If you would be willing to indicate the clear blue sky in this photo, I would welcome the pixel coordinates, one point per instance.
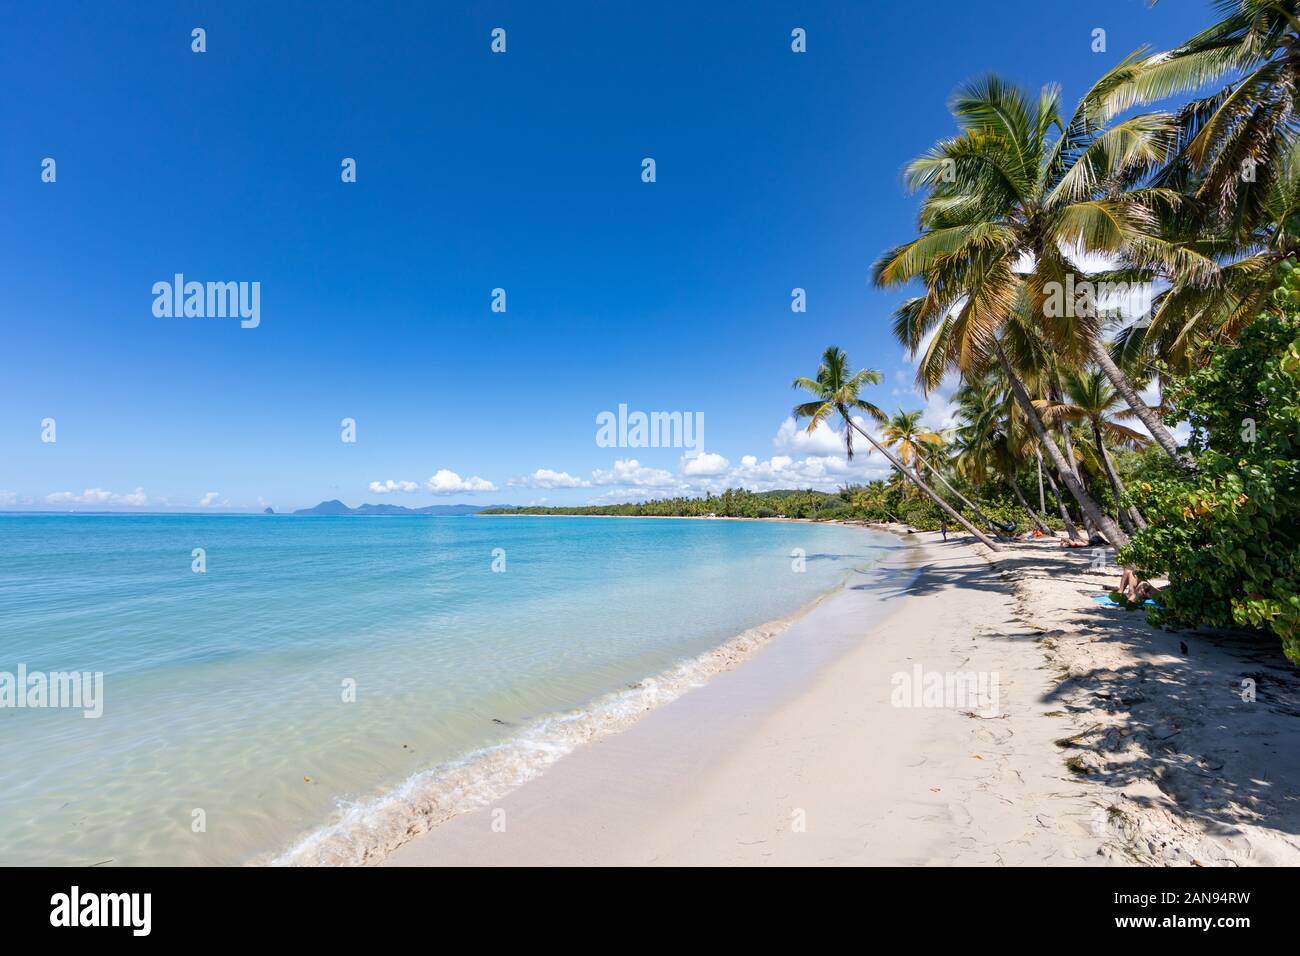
(475, 171)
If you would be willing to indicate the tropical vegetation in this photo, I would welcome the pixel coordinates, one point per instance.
(1108, 293)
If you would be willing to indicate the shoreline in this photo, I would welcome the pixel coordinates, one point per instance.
(862, 524)
(369, 830)
(805, 757)
(726, 775)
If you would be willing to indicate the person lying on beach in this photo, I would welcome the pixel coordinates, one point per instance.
(1134, 588)
(1094, 541)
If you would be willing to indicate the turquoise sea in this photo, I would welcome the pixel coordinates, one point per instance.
(328, 684)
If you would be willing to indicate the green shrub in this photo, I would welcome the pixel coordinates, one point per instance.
(1229, 537)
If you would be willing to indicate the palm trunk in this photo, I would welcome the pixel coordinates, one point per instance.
(962, 498)
(1042, 498)
(1116, 485)
(902, 469)
(1034, 516)
(1067, 442)
(1164, 438)
(1070, 528)
(1087, 505)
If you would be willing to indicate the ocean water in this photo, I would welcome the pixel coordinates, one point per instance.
(328, 685)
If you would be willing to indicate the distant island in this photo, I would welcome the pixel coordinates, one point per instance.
(336, 507)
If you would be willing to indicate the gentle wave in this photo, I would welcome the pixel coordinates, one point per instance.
(368, 830)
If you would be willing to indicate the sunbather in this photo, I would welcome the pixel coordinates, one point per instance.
(1134, 588)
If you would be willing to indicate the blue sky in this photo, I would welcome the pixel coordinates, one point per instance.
(475, 171)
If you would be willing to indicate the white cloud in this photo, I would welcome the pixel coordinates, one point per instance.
(794, 436)
(446, 482)
(826, 439)
(8, 497)
(386, 487)
(618, 496)
(208, 500)
(546, 478)
(137, 498)
(822, 472)
(705, 464)
(829, 443)
(631, 473)
(630, 480)
(99, 496)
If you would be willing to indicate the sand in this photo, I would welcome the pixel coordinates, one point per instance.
(1102, 743)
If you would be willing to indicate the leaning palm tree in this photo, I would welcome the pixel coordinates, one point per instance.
(916, 446)
(905, 434)
(1013, 202)
(837, 393)
(991, 440)
(1023, 195)
(1090, 400)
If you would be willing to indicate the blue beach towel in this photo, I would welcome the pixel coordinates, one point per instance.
(1109, 601)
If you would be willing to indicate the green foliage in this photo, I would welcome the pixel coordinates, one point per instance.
(878, 501)
(1229, 536)
(732, 503)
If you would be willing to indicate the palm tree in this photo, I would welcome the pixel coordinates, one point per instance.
(1235, 160)
(1249, 124)
(1015, 198)
(991, 439)
(1012, 201)
(837, 393)
(1190, 312)
(905, 433)
(1091, 400)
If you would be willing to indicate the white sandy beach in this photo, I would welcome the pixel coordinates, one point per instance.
(799, 757)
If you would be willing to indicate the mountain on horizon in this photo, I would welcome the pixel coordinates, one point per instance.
(336, 507)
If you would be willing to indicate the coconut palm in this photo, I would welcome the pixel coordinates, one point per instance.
(1236, 161)
(1189, 314)
(1090, 400)
(1232, 139)
(991, 439)
(905, 434)
(1014, 200)
(916, 446)
(837, 390)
